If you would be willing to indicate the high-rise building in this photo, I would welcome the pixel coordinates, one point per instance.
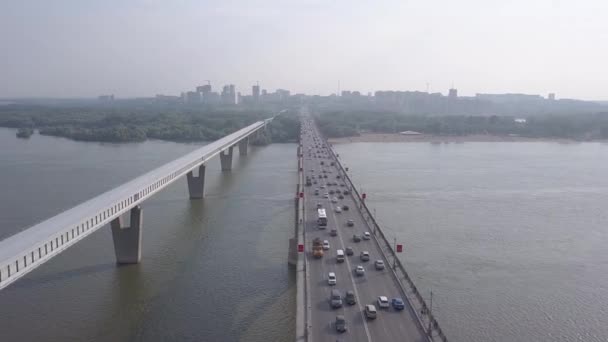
(453, 93)
(229, 94)
(256, 92)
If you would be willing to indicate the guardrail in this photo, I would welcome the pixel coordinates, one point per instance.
(302, 280)
(421, 310)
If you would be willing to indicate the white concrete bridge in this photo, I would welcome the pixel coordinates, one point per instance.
(24, 251)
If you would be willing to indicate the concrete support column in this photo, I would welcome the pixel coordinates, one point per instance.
(127, 240)
(226, 159)
(196, 184)
(243, 145)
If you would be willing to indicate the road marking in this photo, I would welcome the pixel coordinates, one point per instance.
(350, 274)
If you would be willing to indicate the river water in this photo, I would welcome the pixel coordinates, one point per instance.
(510, 236)
(212, 270)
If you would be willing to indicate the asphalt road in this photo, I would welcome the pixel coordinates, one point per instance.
(390, 325)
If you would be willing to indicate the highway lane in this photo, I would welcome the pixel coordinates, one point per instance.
(391, 325)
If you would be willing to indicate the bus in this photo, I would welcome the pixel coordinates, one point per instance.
(322, 219)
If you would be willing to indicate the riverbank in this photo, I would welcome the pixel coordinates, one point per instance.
(394, 137)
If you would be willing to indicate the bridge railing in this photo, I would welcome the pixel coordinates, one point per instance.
(427, 321)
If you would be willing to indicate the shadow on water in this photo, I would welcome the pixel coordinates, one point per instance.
(34, 281)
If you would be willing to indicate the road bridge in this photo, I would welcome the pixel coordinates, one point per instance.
(32, 247)
(332, 189)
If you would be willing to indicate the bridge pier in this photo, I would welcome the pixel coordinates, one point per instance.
(196, 184)
(226, 159)
(243, 145)
(127, 240)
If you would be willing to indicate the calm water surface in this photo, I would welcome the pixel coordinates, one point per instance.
(511, 237)
(212, 270)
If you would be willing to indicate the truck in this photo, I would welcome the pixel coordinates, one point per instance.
(317, 248)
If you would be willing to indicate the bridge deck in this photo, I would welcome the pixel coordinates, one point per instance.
(391, 325)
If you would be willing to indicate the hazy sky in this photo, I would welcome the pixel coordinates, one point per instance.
(76, 48)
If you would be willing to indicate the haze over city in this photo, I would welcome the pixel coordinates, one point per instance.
(140, 48)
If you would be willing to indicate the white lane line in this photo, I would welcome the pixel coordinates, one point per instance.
(350, 274)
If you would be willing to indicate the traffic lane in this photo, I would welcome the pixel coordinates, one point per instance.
(323, 314)
(386, 328)
(390, 324)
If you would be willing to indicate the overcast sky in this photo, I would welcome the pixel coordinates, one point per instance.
(83, 48)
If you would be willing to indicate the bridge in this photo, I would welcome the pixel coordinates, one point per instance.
(32, 247)
(315, 316)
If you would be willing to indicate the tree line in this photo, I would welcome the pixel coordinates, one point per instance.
(584, 126)
(128, 124)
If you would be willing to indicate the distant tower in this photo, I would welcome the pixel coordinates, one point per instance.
(453, 93)
(551, 97)
(256, 92)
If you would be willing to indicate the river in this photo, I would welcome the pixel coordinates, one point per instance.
(212, 269)
(510, 236)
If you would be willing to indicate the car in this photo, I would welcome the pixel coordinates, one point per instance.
(331, 192)
(317, 192)
(320, 176)
(345, 192)
(324, 176)
(338, 191)
(379, 264)
(333, 232)
(383, 302)
(360, 271)
(366, 236)
(345, 207)
(398, 303)
(350, 223)
(325, 244)
(322, 186)
(335, 298)
(326, 195)
(341, 197)
(315, 181)
(331, 278)
(334, 200)
(370, 311)
(350, 298)
(338, 209)
(356, 238)
(364, 255)
(319, 205)
(338, 176)
(340, 323)
(349, 251)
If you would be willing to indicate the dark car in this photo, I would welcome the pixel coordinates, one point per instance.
(350, 223)
(350, 298)
(346, 192)
(349, 251)
(345, 207)
(356, 238)
(340, 197)
(340, 323)
(397, 303)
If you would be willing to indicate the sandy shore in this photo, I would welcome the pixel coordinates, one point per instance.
(391, 137)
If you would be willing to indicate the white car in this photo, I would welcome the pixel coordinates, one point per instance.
(366, 236)
(334, 200)
(383, 302)
(325, 244)
(338, 209)
(331, 279)
(360, 271)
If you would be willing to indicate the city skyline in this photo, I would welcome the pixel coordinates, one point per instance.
(74, 49)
